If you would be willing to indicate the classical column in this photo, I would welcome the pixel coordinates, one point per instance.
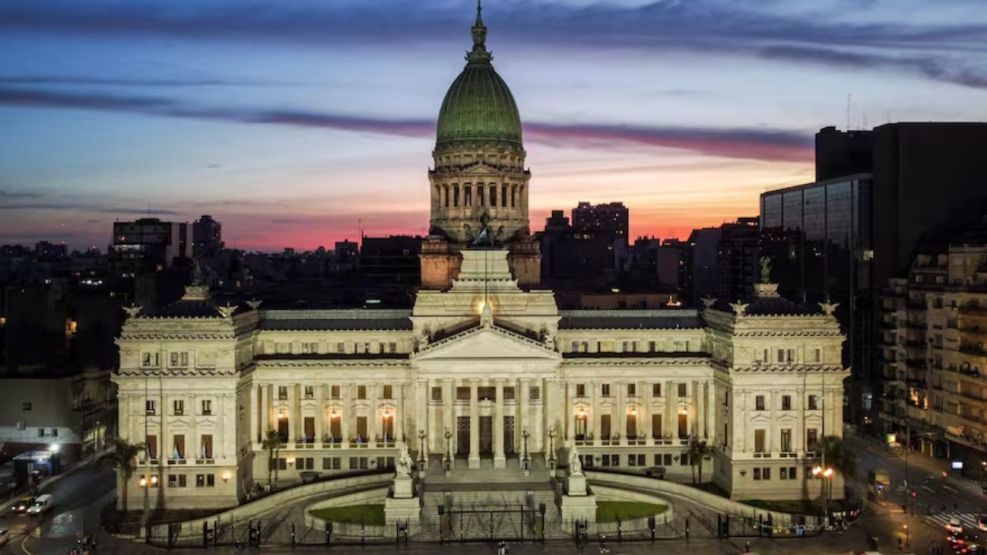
(320, 412)
(254, 411)
(421, 406)
(595, 413)
(498, 428)
(643, 412)
(399, 433)
(711, 412)
(622, 412)
(374, 417)
(671, 424)
(448, 417)
(349, 411)
(265, 411)
(474, 458)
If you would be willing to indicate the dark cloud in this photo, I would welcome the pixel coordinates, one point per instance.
(57, 205)
(7, 195)
(755, 143)
(134, 82)
(726, 27)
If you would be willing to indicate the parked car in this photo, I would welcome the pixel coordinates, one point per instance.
(41, 505)
(4, 536)
(22, 504)
(982, 522)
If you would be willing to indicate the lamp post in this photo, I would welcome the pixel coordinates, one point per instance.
(448, 461)
(421, 447)
(824, 473)
(524, 447)
(551, 444)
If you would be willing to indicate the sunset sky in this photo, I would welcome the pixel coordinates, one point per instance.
(295, 122)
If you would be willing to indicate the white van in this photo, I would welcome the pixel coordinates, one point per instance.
(41, 505)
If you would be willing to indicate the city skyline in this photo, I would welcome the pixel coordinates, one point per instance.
(292, 123)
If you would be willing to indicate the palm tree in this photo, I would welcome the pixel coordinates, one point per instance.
(698, 450)
(272, 443)
(121, 458)
(840, 457)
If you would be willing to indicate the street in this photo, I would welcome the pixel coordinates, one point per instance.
(80, 496)
(78, 500)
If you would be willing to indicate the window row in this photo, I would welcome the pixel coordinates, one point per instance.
(177, 449)
(180, 480)
(339, 347)
(178, 407)
(386, 392)
(635, 459)
(788, 356)
(177, 359)
(784, 473)
(631, 390)
(684, 346)
(334, 463)
(812, 402)
(785, 443)
(486, 393)
(631, 431)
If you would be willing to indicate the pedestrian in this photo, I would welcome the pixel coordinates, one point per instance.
(747, 546)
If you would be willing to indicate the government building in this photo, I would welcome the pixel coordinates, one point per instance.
(485, 371)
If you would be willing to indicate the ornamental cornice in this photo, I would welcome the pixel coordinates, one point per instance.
(620, 362)
(152, 336)
(790, 369)
(177, 372)
(788, 332)
(341, 364)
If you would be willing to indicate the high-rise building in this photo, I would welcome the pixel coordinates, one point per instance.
(391, 260)
(207, 237)
(934, 354)
(843, 153)
(147, 245)
(737, 258)
(609, 221)
(701, 277)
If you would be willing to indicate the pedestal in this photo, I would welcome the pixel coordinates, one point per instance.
(401, 510)
(576, 485)
(500, 462)
(578, 508)
(474, 463)
(404, 487)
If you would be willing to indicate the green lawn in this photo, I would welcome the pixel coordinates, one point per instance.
(371, 515)
(610, 511)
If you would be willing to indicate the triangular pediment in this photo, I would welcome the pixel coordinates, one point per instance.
(480, 168)
(487, 343)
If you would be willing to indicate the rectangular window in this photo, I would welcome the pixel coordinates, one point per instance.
(812, 439)
(656, 426)
(486, 393)
(786, 402)
(282, 393)
(308, 428)
(178, 447)
(387, 392)
(150, 406)
(26, 406)
(786, 440)
(757, 473)
(534, 393)
(656, 390)
(309, 392)
(509, 393)
(813, 402)
(580, 390)
(684, 459)
(340, 347)
(361, 428)
(766, 473)
(334, 391)
(205, 447)
(682, 390)
(151, 446)
(282, 463)
(605, 426)
(361, 392)
(759, 402)
(177, 481)
(179, 407)
(759, 444)
(605, 390)
(463, 394)
(331, 463)
(206, 407)
(631, 390)
(437, 394)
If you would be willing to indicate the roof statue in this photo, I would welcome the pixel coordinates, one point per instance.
(765, 269)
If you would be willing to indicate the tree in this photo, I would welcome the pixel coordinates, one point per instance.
(121, 458)
(698, 450)
(840, 457)
(272, 443)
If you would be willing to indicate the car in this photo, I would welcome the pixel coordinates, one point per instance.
(22, 504)
(982, 522)
(955, 525)
(4, 536)
(41, 505)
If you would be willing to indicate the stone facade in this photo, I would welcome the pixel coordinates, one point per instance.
(483, 370)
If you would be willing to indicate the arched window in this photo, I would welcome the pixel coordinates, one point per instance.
(455, 196)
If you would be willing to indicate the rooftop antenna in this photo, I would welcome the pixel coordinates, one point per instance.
(849, 101)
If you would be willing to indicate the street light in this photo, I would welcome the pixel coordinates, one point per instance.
(524, 444)
(448, 460)
(824, 473)
(421, 447)
(551, 443)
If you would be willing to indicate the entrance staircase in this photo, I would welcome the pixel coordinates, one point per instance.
(489, 503)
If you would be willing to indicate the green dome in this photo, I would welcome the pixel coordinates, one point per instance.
(479, 107)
